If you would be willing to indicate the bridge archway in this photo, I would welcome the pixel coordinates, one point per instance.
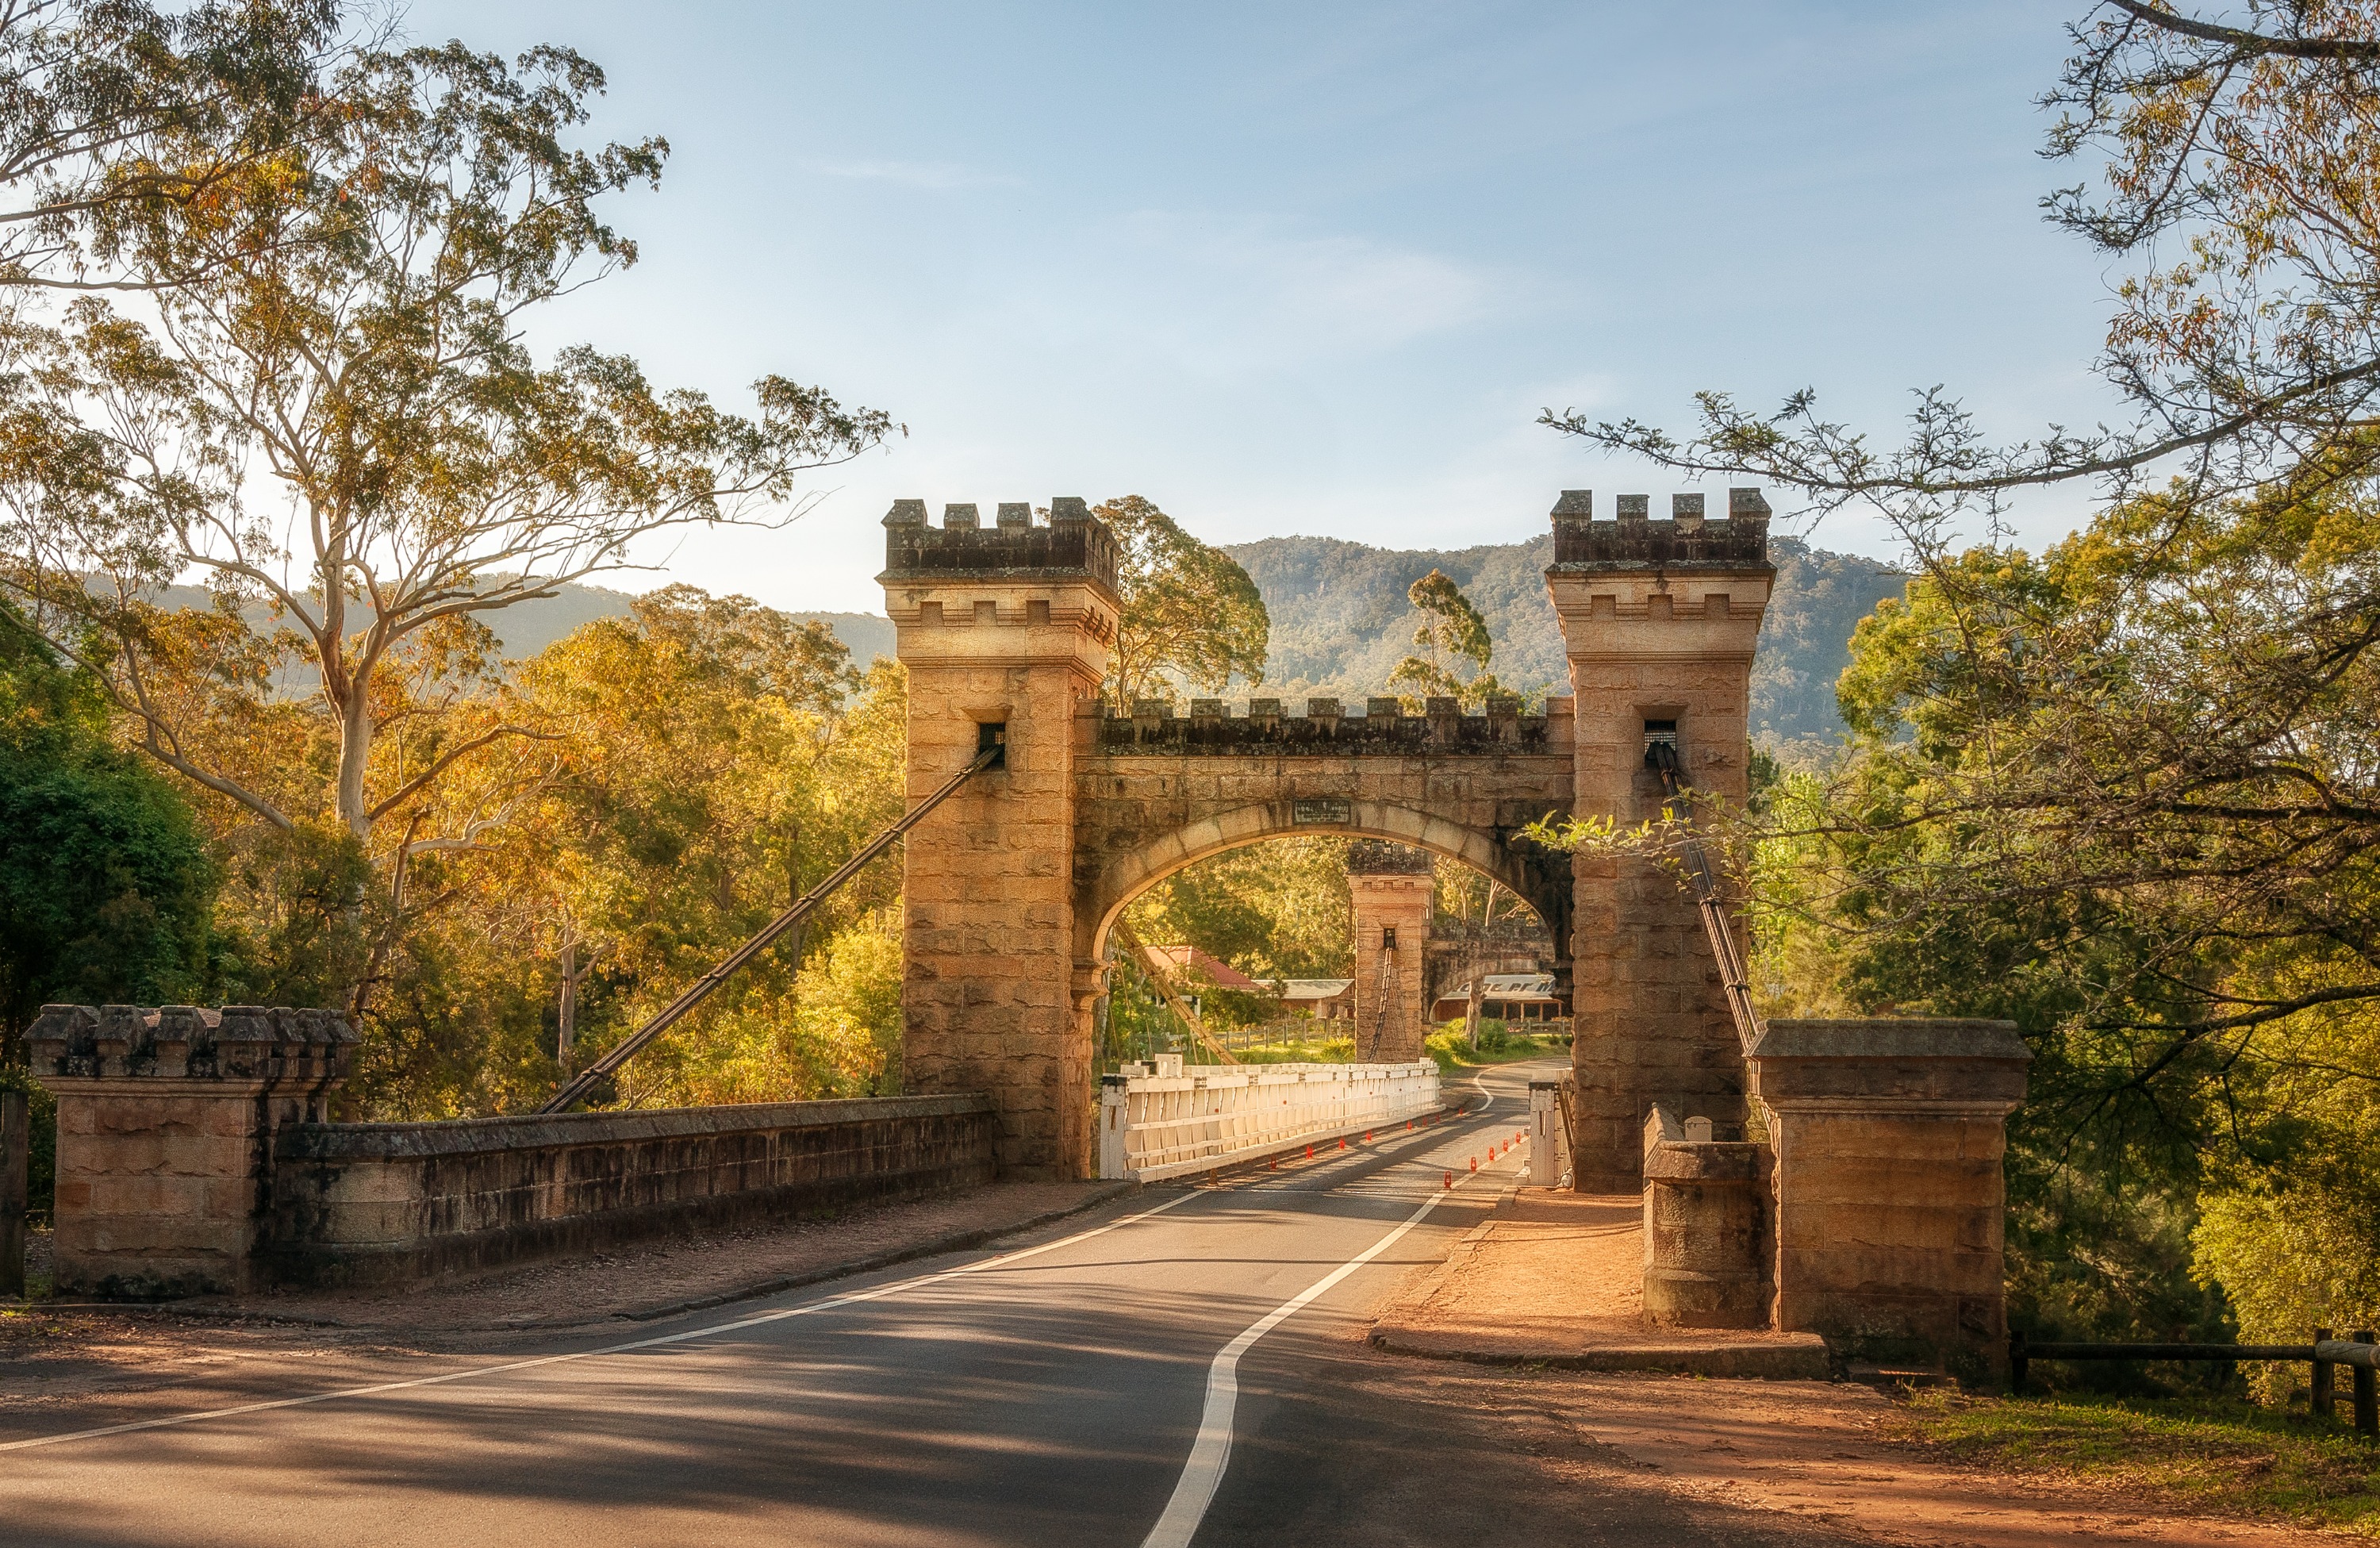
(1012, 885)
(1142, 868)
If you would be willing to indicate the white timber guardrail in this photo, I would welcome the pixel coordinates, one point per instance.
(1165, 1122)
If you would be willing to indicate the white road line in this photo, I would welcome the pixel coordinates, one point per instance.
(878, 1293)
(1211, 1452)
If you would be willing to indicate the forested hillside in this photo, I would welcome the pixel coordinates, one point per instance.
(528, 628)
(1340, 621)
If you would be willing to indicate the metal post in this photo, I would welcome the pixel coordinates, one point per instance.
(2318, 1402)
(15, 1146)
(1544, 1120)
(2367, 1397)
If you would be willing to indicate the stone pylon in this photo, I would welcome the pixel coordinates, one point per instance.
(1391, 885)
(1006, 633)
(1659, 620)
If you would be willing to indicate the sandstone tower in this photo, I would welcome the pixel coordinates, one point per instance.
(1659, 619)
(1006, 633)
(1393, 887)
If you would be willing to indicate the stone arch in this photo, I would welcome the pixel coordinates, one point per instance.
(1145, 865)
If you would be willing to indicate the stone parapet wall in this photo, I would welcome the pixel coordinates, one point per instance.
(1706, 1226)
(382, 1203)
(1214, 728)
(194, 1157)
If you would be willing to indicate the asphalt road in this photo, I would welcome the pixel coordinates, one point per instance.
(1049, 1391)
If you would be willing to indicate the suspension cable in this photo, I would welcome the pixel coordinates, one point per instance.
(1663, 756)
(701, 989)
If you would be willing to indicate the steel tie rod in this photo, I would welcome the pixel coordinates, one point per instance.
(701, 989)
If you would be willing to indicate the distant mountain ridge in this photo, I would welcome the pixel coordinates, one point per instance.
(1340, 621)
(528, 628)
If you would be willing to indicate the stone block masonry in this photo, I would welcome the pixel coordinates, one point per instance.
(193, 1158)
(166, 1120)
(1888, 1138)
(1005, 632)
(1392, 888)
(1658, 621)
(388, 1204)
(1704, 1236)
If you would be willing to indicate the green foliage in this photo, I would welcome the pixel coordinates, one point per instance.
(1190, 612)
(1450, 1048)
(298, 915)
(1451, 632)
(1274, 911)
(104, 883)
(2122, 794)
(1324, 1051)
(1341, 615)
(338, 331)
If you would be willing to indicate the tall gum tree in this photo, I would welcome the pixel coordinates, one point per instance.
(331, 410)
(1190, 612)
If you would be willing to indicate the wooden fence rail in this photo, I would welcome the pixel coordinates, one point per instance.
(2359, 1354)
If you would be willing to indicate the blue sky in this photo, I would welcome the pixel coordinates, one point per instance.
(1316, 267)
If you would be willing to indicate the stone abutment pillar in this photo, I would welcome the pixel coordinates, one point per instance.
(1659, 620)
(166, 1120)
(1705, 1226)
(1889, 1137)
(1005, 631)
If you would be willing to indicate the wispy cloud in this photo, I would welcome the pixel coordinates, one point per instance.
(935, 174)
(1227, 292)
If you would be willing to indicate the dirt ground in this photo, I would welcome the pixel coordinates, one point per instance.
(1557, 1278)
(1811, 1454)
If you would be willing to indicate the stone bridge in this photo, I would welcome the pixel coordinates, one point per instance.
(1012, 887)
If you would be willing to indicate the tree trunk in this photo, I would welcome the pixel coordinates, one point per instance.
(567, 1012)
(1471, 1003)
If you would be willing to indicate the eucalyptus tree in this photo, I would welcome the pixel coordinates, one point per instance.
(112, 107)
(1190, 612)
(1450, 632)
(332, 410)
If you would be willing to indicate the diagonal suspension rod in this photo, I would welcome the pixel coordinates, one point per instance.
(1663, 756)
(701, 990)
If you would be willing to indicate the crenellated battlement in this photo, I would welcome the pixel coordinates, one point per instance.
(1216, 728)
(166, 1120)
(1686, 540)
(176, 1042)
(1072, 544)
(1374, 857)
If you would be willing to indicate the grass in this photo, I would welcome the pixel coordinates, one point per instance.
(1454, 1051)
(2205, 1455)
(1331, 1051)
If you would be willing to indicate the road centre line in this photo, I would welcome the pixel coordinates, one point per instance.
(856, 1296)
(1211, 1452)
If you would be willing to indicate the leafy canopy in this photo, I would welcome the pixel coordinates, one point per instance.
(1451, 632)
(1190, 612)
